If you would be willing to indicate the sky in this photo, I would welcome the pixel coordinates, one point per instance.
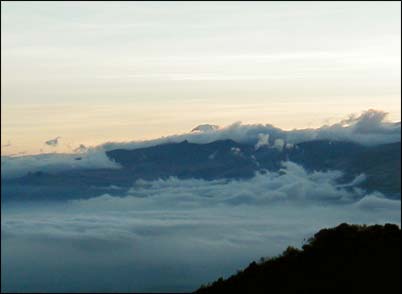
(118, 71)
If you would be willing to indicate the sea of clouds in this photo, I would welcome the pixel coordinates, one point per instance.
(174, 234)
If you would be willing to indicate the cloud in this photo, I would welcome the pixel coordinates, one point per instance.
(54, 162)
(376, 201)
(160, 231)
(289, 145)
(279, 144)
(236, 151)
(291, 184)
(53, 142)
(356, 181)
(205, 128)
(80, 149)
(369, 122)
(262, 141)
(368, 128)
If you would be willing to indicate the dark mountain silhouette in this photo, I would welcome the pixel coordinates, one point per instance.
(345, 259)
(216, 160)
(209, 161)
(219, 159)
(381, 164)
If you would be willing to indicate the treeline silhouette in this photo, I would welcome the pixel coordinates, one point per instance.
(344, 259)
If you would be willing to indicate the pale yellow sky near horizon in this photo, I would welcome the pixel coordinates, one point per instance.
(121, 71)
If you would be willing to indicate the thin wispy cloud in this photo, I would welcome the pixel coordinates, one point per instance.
(53, 142)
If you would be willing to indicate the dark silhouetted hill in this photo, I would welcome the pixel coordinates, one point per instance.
(345, 259)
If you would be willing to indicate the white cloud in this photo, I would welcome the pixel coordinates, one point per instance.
(289, 145)
(368, 128)
(279, 144)
(262, 141)
(376, 201)
(236, 151)
(292, 184)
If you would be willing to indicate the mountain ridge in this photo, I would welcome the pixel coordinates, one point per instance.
(217, 160)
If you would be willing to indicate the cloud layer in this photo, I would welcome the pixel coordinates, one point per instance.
(173, 235)
(54, 162)
(291, 184)
(368, 128)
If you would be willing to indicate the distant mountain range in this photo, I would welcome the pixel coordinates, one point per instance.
(216, 160)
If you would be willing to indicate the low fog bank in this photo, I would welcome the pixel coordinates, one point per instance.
(174, 235)
(54, 162)
(81, 249)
